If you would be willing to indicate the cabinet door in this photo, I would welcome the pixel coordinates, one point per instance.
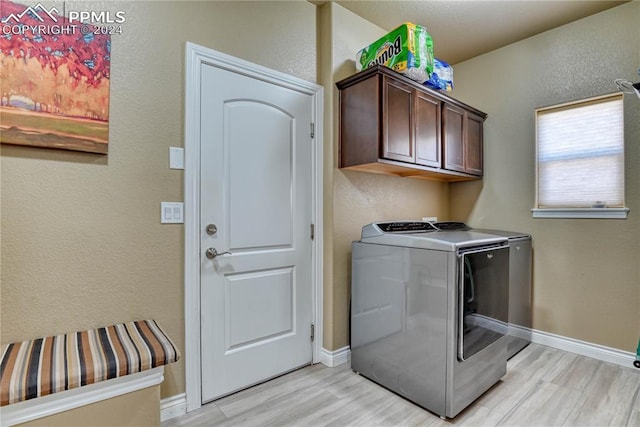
(453, 137)
(359, 123)
(473, 144)
(427, 130)
(397, 110)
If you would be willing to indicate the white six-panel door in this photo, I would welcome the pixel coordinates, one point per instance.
(255, 185)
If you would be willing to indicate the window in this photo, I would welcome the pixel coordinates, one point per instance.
(580, 159)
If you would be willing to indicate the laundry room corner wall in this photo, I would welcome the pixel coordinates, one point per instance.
(82, 245)
(586, 271)
(358, 198)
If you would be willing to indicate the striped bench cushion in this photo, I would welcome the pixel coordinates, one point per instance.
(49, 365)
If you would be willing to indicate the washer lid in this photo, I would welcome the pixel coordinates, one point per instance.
(505, 233)
(416, 234)
(454, 225)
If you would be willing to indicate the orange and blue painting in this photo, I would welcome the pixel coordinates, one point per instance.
(54, 80)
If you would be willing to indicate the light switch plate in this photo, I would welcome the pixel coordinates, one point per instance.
(171, 212)
(176, 158)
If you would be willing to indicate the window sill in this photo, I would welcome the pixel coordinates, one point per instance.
(601, 213)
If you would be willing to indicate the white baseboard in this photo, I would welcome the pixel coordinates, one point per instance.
(174, 406)
(583, 348)
(32, 409)
(519, 332)
(335, 358)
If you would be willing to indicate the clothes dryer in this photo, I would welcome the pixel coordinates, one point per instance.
(520, 278)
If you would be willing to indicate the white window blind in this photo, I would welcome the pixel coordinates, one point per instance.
(580, 149)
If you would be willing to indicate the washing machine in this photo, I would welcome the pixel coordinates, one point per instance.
(429, 309)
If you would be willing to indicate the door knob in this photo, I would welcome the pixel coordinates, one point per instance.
(211, 253)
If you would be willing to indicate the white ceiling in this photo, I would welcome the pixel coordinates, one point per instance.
(464, 29)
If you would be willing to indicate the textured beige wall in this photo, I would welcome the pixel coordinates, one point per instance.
(586, 272)
(360, 198)
(82, 244)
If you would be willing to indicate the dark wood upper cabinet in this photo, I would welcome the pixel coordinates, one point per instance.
(453, 138)
(397, 121)
(392, 125)
(473, 146)
(360, 123)
(462, 140)
(428, 130)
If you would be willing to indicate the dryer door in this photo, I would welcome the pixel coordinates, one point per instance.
(483, 298)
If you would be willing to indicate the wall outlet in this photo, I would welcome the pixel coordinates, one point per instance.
(430, 218)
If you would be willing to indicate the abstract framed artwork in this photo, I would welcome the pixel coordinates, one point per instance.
(54, 80)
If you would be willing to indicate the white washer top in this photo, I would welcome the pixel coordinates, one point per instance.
(423, 235)
(461, 226)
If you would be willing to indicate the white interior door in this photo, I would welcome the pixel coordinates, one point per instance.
(255, 174)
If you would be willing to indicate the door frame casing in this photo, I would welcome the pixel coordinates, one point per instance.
(195, 57)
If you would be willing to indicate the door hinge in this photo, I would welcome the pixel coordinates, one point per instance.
(313, 332)
(313, 231)
(313, 130)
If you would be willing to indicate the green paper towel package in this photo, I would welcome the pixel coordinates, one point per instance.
(408, 50)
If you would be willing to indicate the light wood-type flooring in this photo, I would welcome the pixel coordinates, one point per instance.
(543, 387)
